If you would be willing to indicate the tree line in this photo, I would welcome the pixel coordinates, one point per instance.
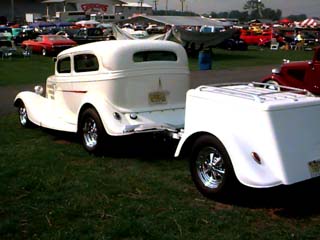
(252, 9)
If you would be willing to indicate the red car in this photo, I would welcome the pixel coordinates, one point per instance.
(298, 74)
(48, 44)
(260, 39)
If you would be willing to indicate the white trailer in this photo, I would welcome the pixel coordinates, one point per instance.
(262, 137)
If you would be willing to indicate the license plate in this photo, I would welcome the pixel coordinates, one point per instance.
(314, 168)
(158, 97)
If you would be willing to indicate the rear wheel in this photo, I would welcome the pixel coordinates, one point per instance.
(211, 168)
(43, 52)
(92, 131)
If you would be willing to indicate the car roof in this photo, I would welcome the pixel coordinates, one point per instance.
(117, 54)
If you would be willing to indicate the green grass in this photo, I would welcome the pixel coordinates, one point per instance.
(224, 59)
(34, 70)
(19, 70)
(50, 188)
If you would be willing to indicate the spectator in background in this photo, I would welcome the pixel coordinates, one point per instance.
(299, 41)
(298, 37)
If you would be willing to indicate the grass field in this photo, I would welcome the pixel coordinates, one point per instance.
(34, 70)
(50, 188)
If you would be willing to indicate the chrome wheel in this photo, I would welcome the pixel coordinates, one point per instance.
(90, 133)
(210, 167)
(23, 116)
(272, 85)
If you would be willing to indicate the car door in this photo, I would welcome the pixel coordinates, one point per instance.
(59, 86)
(36, 46)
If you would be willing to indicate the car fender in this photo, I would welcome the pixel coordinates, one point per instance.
(246, 169)
(274, 77)
(106, 111)
(35, 105)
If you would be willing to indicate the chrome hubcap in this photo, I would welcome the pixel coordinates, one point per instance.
(272, 85)
(210, 167)
(90, 133)
(23, 116)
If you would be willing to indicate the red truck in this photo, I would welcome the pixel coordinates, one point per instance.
(298, 74)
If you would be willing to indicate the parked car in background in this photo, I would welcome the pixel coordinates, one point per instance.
(261, 39)
(112, 88)
(5, 33)
(234, 43)
(25, 34)
(299, 74)
(211, 29)
(310, 37)
(87, 35)
(48, 44)
(69, 32)
(7, 48)
(154, 28)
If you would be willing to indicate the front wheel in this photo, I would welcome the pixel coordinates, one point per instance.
(92, 131)
(272, 84)
(211, 168)
(23, 116)
(27, 51)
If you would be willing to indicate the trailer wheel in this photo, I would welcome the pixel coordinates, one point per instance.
(92, 131)
(211, 168)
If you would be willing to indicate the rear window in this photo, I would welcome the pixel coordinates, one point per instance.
(150, 56)
(86, 63)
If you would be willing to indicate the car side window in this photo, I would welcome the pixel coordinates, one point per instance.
(82, 33)
(39, 39)
(64, 65)
(86, 63)
(147, 56)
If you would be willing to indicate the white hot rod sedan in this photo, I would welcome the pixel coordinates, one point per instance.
(111, 88)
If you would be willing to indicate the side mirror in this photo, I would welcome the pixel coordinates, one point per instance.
(54, 59)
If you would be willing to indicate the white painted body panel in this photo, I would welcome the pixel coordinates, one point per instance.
(283, 128)
(119, 85)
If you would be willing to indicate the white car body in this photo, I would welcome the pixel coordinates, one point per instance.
(282, 128)
(130, 94)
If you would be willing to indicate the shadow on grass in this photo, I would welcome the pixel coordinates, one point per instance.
(298, 200)
(145, 146)
(151, 146)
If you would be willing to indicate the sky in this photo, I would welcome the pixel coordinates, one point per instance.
(288, 7)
